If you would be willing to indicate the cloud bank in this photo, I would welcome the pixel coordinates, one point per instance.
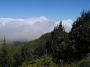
(28, 28)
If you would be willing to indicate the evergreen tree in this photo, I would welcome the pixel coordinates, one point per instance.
(5, 56)
(80, 34)
(57, 43)
(22, 55)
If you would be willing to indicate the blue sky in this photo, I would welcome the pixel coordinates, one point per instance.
(53, 9)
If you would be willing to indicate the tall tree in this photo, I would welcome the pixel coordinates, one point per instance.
(5, 56)
(23, 54)
(57, 43)
(80, 34)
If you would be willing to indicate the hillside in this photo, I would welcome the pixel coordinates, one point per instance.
(57, 48)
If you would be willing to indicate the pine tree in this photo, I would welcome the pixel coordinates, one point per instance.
(4, 57)
(80, 34)
(56, 43)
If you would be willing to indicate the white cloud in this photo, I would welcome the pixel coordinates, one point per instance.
(28, 28)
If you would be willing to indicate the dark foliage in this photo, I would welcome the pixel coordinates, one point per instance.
(80, 34)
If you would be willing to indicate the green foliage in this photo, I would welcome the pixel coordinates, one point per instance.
(57, 43)
(6, 56)
(23, 54)
(80, 34)
(42, 62)
(85, 62)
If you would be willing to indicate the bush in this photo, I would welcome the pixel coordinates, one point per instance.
(85, 62)
(42, 62)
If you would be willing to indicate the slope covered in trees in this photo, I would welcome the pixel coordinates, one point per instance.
(54, 49)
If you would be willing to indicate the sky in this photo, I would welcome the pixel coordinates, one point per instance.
(29, 19)
(53, 9)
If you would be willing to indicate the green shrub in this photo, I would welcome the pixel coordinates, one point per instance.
(85, 62)
(42, 62)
